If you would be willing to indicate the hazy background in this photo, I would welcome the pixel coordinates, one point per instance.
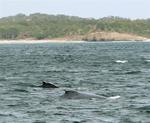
(84, 8)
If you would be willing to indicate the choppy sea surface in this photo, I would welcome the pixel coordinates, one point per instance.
(105, 68)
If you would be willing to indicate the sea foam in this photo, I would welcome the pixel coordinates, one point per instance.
(121, 61)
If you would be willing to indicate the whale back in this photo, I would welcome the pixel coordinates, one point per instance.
(71, 94)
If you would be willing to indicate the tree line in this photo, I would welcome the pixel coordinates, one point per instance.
(40, 26)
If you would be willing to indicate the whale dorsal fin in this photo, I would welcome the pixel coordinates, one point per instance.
(48, 85)
(43, 82)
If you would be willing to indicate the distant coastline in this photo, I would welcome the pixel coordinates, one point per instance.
(60, 28)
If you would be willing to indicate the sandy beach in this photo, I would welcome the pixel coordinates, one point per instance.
(36, 41)
(56, 41)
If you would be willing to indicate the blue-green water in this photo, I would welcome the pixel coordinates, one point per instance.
(102, 68)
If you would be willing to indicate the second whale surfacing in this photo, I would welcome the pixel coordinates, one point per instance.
(71, 94)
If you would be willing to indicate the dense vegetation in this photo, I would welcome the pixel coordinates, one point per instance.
(41, 26)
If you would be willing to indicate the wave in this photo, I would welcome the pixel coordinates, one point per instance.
(20, 90)
(114, 97)
(148, 60)
(145, 109)
(25, 84)
(121, 61)
(133, 72)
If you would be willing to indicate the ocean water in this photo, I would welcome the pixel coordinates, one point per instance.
(106, 68)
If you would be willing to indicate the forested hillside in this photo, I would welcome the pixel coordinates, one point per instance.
(41, 26)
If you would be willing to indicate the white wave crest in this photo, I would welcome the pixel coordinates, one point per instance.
(121, 61)
(148, 60)
(114, 97)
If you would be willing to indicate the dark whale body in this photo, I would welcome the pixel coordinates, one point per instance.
(48, 85)
(71, 94)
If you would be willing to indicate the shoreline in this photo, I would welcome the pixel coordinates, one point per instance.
(99, 36)
(36, 41)
(62, 41)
